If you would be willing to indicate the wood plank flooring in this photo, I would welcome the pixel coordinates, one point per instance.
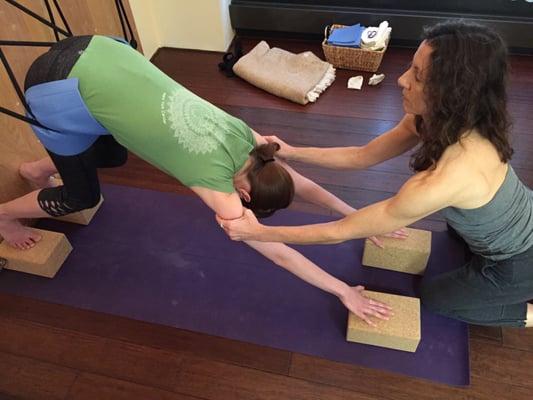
(49, 351)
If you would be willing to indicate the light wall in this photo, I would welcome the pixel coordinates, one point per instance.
(188, 24)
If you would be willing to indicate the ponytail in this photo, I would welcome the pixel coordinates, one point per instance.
(272, 187)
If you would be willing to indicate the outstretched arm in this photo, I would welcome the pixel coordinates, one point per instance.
(309, 190)
(390, 144)
(316, 194)
(228, 206)
(296, 263)
(312, 192)
(422, 195)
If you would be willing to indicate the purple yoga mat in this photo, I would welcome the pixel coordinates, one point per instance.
(161, 258)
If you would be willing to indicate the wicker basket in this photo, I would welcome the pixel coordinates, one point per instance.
(351, 57)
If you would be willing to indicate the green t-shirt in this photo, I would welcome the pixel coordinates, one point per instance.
(158, 119)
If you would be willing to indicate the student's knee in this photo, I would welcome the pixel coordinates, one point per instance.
(120, 158)
(56, 202)
(115, 157)
(109, 153)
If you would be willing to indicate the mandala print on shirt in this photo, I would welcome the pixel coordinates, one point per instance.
(194, 122)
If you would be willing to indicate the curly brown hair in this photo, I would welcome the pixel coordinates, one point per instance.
(465, 90)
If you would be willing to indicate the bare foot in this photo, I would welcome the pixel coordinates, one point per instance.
(30, 173)
(17, 235)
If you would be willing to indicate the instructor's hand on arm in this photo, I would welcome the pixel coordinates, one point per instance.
(245, 228)
(249, 228)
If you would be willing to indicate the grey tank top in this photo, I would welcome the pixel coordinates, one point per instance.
(501, 228)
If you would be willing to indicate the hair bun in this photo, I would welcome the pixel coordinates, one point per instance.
(270, 150)
(265, 152)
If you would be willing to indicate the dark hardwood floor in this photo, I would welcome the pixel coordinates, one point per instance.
(49, 351)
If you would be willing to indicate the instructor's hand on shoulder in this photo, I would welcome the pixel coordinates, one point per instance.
(246, 227)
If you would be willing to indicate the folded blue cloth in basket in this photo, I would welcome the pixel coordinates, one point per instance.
(349, 36)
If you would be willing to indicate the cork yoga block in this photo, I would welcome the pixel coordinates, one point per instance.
(83, 217)
(400, 332)
(404, 255)
(44, 259)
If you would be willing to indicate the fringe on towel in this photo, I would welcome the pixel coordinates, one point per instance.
(324, 83)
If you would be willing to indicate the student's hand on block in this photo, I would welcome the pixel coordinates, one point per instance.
(285, 149)
(399, 234)
(245, 228)
(363, 307)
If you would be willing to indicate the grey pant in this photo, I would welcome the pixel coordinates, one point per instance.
(483, 292)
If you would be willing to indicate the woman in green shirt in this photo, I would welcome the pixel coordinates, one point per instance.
(130, 104)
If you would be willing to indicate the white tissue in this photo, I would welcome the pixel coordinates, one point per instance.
(376, 79)
(355, 82)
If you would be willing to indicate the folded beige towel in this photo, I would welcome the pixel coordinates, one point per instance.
(296, 77)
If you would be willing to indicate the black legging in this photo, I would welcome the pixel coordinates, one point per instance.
(81, 188)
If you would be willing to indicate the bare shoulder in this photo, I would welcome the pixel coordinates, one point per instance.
(463, 177)
(471, 171)
(423, 194)
(429, 182)
(441, 185)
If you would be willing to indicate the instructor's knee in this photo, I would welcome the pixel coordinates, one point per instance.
(430, 298)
